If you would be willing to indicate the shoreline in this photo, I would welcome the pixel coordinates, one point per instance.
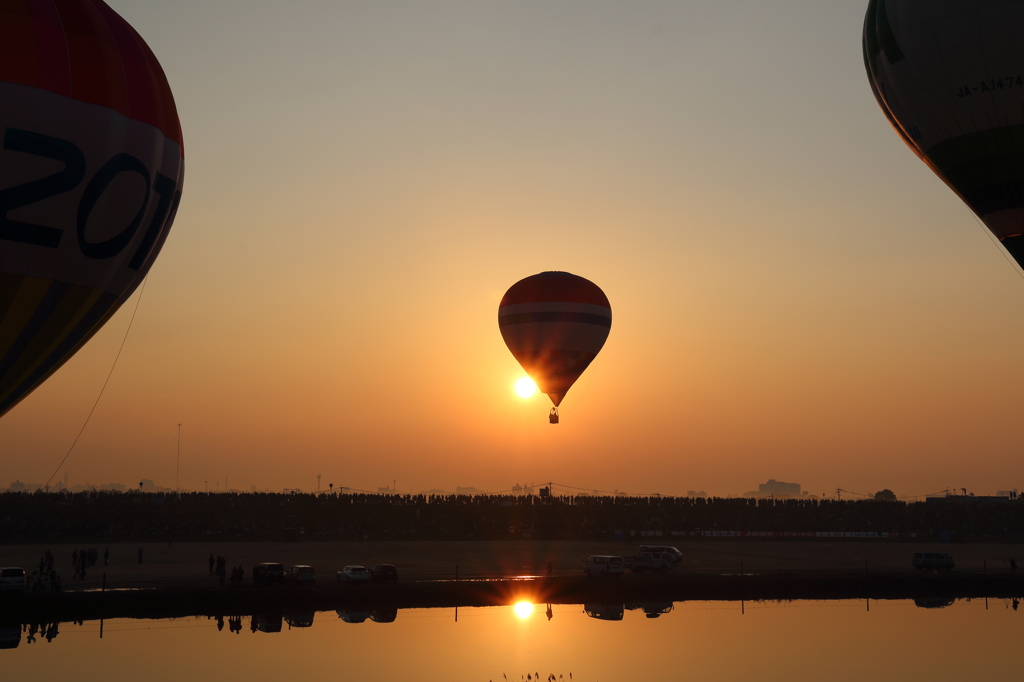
(164, 602)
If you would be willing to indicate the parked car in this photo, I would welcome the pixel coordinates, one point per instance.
(932, 561)
(649, 561)
(300, 575)
(599, 564)
(353, 574)
(13, 579)
(674, 554)
(268, 573)
(384, 573)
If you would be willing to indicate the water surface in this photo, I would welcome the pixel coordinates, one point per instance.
(835, 640)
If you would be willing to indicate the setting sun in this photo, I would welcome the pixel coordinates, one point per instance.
(523, 609)
(525, 388)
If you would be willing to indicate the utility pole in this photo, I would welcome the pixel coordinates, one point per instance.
(318, 482)
(177, 468)
(839, 493)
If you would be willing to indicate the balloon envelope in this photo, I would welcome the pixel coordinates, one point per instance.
(91, 169)
(949, 75)
(554, 323)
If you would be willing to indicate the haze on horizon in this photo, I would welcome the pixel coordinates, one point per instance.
(796, 296)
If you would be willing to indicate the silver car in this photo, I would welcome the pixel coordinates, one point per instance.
(351, 574)
(13, 579)
(300, 575)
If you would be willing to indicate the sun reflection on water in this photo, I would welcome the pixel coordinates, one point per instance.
(523, 609)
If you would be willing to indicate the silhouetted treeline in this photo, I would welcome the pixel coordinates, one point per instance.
(133, 516)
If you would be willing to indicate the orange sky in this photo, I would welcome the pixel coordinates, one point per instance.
(795, 295)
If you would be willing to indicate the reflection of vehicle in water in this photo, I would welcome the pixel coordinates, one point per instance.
(268, 623)
(604, 611)
(933, 561)
(934, 603)
(599, 564)
(299, 620)
(384, 615)
(651, 609)
(10, 637)
(354, 616)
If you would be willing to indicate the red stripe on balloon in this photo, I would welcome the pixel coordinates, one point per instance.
(54, 68)
(554, 287)
(142, 91)
(84, 50)
(97, 76)
(17, 44)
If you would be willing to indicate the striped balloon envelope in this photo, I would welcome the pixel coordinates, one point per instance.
(555, 324)
(91, 171)
(949, 76)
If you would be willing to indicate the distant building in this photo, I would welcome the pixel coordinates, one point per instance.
(436, 491)
(696, 493)
(777, 489)
(119, 487)
(459, 490)
(148, 486)
(386, 490)
(522, 489)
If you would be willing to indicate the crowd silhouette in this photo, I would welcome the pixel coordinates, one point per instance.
(133, 517)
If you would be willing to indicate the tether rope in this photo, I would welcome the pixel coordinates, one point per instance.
(142, 290)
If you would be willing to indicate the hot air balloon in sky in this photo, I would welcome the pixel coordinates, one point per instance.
(91, 170)
(949, 75)
(555, 324)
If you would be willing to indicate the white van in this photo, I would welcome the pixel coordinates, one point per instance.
(599, 564)
(13, 579)
(672, 552)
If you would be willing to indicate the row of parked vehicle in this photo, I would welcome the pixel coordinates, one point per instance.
(661, 559)
(274, 574)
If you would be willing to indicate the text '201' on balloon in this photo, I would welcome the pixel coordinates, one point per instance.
(949, 76)
(91, 171)
(554, 323)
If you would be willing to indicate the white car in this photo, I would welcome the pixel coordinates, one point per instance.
(13, 579)
(599, 564)
(300, 575)
(353, 573)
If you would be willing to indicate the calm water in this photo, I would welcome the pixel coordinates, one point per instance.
(838, 640)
